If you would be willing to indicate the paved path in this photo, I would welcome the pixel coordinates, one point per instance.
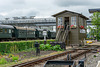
(96, 43)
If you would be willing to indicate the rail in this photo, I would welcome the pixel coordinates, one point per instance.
(34, 62)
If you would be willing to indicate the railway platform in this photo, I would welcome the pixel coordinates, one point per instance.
(95, 44)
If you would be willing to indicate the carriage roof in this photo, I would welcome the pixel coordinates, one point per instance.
(6, 26)
(22, 28)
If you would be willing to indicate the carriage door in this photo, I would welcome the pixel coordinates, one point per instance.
(13, 33)
(66, 22)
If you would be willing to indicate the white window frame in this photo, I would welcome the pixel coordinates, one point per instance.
(73, 20)
(60, 20)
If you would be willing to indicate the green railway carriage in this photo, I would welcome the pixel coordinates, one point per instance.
(53, 34)
(39, 33)
(48, 34)
(9, 32)
(6, 31)
(23, 33)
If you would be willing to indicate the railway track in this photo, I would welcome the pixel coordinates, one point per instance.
(76, 53)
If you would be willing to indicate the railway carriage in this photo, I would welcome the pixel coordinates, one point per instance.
(52, 34)
(39, 33)
(6, 31)
(22, 33)
(14, 32)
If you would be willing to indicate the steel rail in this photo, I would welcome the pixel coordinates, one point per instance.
(37, 61)
(30, 63)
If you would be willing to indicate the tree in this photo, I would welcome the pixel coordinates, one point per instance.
(92, 32)
(96, 22)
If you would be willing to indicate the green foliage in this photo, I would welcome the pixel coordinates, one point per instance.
(57, 48)
(96, 23)
(95, 56)
(45, 47)
(15, 58)
(11, 55)
(92, 32)
(42, 47)
(3, 61)
(16, 46)
(24, 55)
(49, 47)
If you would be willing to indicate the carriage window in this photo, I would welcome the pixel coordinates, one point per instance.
(5, 30)
(40, 32)
(1, 30)
(34, 32)
(9, 30)
(20, 32)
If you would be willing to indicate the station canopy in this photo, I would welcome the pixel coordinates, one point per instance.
(94, 10)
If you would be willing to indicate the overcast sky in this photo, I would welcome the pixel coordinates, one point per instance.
(44, 8)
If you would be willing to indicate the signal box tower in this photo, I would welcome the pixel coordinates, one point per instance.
(70, 27)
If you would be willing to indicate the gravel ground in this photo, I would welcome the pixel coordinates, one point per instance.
(93, 61)
(59, 58)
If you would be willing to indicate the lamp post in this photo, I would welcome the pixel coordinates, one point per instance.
(44, 34)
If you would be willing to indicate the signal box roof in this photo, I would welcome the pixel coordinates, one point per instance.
(70, 12)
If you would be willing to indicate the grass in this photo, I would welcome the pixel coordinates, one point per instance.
(29, 59)
(25, 41)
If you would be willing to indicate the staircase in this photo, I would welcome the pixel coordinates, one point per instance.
(66, 33)
(63, 35)
(58, 34)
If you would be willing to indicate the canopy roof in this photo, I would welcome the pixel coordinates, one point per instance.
(94, 10)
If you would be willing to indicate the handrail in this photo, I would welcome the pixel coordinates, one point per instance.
(58, 32)
(66, 33)
(78, 65)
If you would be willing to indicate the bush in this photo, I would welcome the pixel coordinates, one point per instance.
(11, 55)
(49, 47)
(57, 48)
(45, 47)
(9, 47)
(3, 61)
(15, 58)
